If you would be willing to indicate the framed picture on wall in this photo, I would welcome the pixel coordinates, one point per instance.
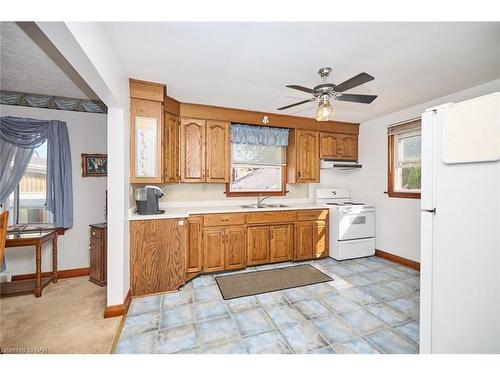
(94, 165)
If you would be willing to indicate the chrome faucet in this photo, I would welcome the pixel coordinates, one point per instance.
(261, 199)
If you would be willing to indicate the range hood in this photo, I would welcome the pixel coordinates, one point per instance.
(339, 164)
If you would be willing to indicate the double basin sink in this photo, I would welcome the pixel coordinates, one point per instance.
(263, 205)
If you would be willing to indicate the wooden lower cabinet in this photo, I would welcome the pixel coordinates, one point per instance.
(157, 255)
(213, 249)
(223, 248)
(194, 248)
(281, 243)
(320, 240)
(98, 254)
(258, 245)
(235, 248)
(311, 240)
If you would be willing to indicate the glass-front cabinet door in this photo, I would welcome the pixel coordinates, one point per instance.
(146, 141)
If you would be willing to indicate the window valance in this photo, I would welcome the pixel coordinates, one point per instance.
(259, 135)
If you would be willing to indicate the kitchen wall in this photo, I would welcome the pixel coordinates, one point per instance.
(189, 194)
(87, 134)
(398, 219)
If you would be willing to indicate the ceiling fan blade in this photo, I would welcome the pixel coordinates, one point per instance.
(299, 103)
(301, 88)
(355, 98)
(353, 82)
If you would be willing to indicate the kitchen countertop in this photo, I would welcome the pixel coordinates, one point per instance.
(183, 212)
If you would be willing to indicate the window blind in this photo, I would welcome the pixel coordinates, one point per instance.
(410, 126)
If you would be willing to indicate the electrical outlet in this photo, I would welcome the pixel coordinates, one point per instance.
(204, 187)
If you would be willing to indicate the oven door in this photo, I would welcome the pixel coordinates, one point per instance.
(354, 225)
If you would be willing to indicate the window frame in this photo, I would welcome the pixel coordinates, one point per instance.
(278, 193)
(391, 171)
(14, 218)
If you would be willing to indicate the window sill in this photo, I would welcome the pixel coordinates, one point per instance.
(255, 193)
(403, 194)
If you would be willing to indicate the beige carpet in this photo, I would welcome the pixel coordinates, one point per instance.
(264, 281)
(68, 318)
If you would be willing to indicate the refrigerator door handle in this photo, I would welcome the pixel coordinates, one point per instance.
(432, 211)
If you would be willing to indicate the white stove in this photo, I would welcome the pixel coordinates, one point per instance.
(352, 224)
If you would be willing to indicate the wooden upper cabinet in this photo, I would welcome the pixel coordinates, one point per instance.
(213, 249)
(348, 147)
(217, 151)
(303, 156)
(257, 245)
(204, 151)
(192, 158)
(235, 248)
(171, 148)
(281, 243)
(339, 146)
(194, 251)
(146, 144)
(328, 145)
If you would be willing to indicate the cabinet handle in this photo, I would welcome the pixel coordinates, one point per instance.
(299, 174)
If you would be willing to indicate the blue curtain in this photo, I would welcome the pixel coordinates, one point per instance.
(18, 138)
(259, 135)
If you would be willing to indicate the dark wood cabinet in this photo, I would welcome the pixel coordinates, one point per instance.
(98, 253)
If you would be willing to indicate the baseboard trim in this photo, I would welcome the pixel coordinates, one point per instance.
(118, 310)
(62, 274)
(397, 259)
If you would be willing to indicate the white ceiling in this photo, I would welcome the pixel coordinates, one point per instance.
(31, 64)
(247, 65)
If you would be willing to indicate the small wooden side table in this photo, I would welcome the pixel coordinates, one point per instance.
(36, 239)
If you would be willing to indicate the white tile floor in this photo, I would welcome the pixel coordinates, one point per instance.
(371, 306)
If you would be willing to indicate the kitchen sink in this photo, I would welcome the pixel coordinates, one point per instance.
(262, 205)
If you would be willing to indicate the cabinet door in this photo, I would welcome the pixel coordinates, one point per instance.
(321, 239)
(304, 240)
(235, 245)
(192, 150)
(217, 152)
(146, 149)
(95, 249)
(171, 148)
(157, 255)
(257, 245)
(194, 252)
(281, 243)
(348, 147)
(328, 145)
(213, 249)
(307, 156)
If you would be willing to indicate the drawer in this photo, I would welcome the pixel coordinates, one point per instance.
(271, 217)
(223, 219)
(306, 215)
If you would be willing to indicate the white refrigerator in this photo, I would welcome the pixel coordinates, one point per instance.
(460, 227)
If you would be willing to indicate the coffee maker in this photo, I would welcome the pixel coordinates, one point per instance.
(146, 200)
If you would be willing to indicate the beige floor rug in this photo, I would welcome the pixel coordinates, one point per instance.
(68, 318)
(264, 281)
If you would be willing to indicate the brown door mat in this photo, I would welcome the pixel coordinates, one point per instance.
(271, 280)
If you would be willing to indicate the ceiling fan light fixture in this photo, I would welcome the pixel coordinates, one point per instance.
(325, 110)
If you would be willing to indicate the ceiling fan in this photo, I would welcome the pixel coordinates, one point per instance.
(326, 91)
